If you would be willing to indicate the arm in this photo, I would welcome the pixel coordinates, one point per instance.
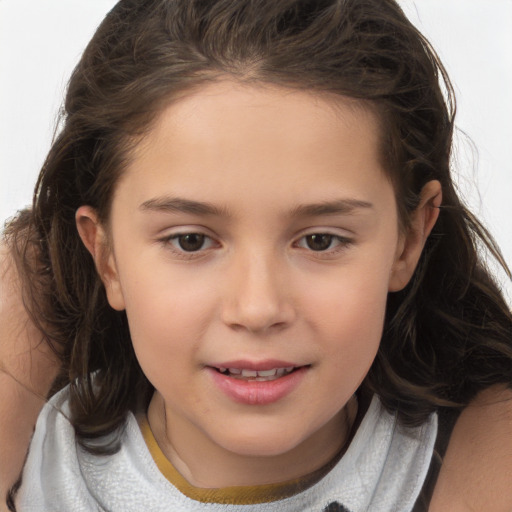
(477, 471)
(27, 370)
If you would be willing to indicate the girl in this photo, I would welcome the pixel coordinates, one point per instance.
(252, 262)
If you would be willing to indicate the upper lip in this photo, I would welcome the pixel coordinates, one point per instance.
(267, 364)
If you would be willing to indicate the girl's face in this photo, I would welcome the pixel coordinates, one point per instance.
(254, 240)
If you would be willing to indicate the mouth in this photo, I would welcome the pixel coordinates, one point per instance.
(257, 383)
(247, 374)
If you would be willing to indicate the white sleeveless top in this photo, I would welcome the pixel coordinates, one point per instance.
(383, 470)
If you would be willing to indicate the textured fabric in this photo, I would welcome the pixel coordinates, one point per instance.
(382, 471)
(240, 495)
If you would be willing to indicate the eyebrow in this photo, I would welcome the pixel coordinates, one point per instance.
(336, 207)
(181, 205)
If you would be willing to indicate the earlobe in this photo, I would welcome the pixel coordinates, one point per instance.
(95, 239)
(412, 242)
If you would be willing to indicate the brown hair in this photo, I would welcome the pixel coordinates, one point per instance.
(446, 336)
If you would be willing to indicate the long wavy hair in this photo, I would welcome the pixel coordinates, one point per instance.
(446, 336)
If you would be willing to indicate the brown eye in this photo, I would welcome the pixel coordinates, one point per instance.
(191, 242)
(319, 241)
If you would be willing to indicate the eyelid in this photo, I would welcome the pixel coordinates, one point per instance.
(323, 230)
(185, 229)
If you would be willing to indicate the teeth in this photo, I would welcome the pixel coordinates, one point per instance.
(258, 375)
(249, 373)
(267, 373)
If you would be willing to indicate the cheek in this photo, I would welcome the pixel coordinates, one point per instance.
(166, 313)
(354, 297)
(347, 325)
(348, 312)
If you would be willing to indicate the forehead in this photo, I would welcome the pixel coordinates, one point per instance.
(306, 115)
(228, 137)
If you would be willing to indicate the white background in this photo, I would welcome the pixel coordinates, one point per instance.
(41, 40)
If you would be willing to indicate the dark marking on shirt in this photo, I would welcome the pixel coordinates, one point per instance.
(335, 507)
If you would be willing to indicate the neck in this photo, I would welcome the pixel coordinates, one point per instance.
(205, 464)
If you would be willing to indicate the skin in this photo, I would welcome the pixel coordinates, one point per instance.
(27, 369)
(259, 157)
(477, 469)
(475, 475)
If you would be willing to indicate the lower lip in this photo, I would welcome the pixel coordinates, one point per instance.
(251, 392)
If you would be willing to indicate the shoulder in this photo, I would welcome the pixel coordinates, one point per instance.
(477, 469)
(24, 353)
(52, 478)
(53, 435)
(27, 369)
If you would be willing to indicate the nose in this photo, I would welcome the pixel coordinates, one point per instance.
(257, 298)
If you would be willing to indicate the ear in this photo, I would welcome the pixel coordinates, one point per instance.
(412, 242)
(95, 239)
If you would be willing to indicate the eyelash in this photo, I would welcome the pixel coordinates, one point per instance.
(183, 253)
(342, 243)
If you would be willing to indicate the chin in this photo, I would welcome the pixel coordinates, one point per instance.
(260, 443)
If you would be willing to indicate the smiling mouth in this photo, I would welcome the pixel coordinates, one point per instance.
(257, 382)
(257, 375)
